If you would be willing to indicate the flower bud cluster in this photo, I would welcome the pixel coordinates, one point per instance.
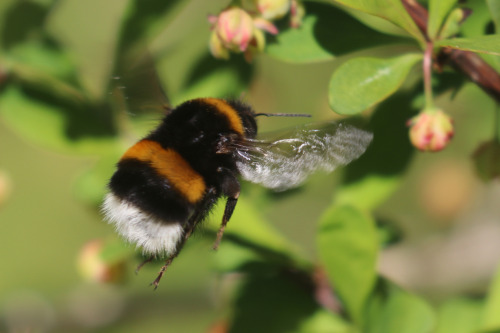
(242, 29)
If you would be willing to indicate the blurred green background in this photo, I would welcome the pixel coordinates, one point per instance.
(445, 215)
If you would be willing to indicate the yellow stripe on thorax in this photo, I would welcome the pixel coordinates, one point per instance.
(171, 165)
(227, 110)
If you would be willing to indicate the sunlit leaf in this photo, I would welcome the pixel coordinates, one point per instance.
(438, 10)
(459, 315)
(326, 32)
(362, 82)
(489, 44)
(392, 310)
(491, 319)
(477, 23)
(369, 192)
(348, 246)
(391, 10)
(453, 23)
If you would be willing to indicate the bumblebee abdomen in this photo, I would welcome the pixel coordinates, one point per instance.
(154, 191)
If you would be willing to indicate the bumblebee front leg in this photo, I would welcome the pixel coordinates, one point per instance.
(231, 189)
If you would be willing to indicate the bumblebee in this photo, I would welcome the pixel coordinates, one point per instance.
(166, 183)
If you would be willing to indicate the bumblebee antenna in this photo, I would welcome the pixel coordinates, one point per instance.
(283, 115)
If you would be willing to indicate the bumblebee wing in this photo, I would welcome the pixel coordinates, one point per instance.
(137, 87)
(287, 161)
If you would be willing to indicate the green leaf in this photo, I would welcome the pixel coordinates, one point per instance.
(477, 23)
(362, 82)
(491, 317)
(324, 321)
(42, 57)
(392, 310)
(438, 10)
(326, 32)
(489, 44)
(391, 10)
(494, 6)
(91, 45)
(459, 315)
(22, 21)
(348, 246)
(372, 178)
(452, 25)
(281, 302)
(215, 78)
(143, 21)
(248, 238)
(48, 121)
(368, 193)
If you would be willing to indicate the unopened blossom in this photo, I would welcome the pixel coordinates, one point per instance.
(431, 130)
(236, 30)
(234, 27)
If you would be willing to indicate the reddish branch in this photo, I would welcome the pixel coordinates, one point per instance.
(469, 63)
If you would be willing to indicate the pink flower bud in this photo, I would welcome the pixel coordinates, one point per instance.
(235, 29)
(431, 130)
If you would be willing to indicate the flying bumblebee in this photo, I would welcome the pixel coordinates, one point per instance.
(166, 183)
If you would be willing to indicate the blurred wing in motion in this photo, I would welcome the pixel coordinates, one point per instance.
(286, 162)
(137, 89)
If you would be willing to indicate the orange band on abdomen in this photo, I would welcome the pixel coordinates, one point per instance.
(171, 165)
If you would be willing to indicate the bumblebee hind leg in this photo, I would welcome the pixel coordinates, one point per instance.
(230, 188)
(193, 221)
(138, 268)
(187, 233)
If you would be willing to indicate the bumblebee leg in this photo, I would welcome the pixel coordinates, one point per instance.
(143, 263)
(188, 230)
(169, 260)
(230, 188)
(228, 211)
